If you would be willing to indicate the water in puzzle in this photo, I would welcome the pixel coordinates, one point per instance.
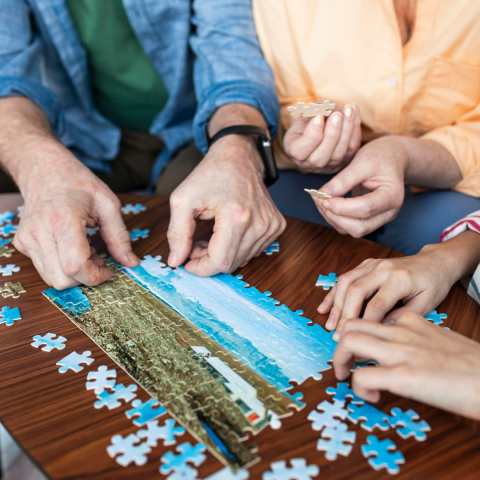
(211, 350)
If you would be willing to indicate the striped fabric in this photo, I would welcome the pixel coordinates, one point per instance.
(471, 222)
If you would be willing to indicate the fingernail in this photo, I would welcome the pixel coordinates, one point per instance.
(172, 258)
(326, 204)
(336, 335)
(336, 119)
(318, 120)
(348, 111)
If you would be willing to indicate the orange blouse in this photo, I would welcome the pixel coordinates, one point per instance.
(351, 51)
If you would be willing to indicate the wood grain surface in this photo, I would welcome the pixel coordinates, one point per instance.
(52, 417)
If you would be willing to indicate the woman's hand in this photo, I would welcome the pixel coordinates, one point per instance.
(421, 281)
(317, 145)
(417, 360)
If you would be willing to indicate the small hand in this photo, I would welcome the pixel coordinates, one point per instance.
(417, 360)
(228, 187)
(317, 145)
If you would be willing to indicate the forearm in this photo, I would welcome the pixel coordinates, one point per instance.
(428, 164)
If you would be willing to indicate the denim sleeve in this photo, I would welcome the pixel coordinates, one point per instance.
(21, 61)
(229, 65)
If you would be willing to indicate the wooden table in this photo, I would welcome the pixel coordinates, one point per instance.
(52, 415)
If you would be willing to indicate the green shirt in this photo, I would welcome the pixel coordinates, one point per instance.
(126, 87)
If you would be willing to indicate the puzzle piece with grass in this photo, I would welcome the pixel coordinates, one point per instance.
(112, 400)
(137, 233)
(129, 450)
(5, 249)
(374, 418)
(100, 380)
(383, 453)
(298, 470)
(12, 290)
(436, 318)
(9, 315)
(274, 247)
(334, 441)
(186, 454)
(73, 361)
(342, 392)
(145, 411)
(129, 208)
(410, 426)
(328, 414)
(49, 342)
(326, 281)
(166, 432)
(313, 109)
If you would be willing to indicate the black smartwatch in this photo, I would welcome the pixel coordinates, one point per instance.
(264, 147)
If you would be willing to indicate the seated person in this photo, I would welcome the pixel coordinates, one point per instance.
(406, 78)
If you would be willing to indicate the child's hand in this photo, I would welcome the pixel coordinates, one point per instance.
(320, 146)
(416, 360)
(421, 281)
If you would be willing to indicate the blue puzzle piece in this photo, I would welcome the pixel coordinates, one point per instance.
(129, 208)
(166, 432)
(49, 342)
(137, 233)
(74, 361)
(111, 400)
(274, 247)
(411, 428)
(4, 242)
(299, 470)
(145, 411)
(73, 299)
(336, 441)
(6, 230)
(366, 363)
(326, 282)
(342, 392)
(374, 418)
(436, 318)
(385, 457)
(179, 463)
(9, 315)
(6, 217)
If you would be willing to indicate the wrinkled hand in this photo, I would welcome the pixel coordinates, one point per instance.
(416, 360)
(62, 198)
(226, 186)
(376, 178)
(317, 145)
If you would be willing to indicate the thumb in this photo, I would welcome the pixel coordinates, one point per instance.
(344, 181)
(180, 231)
(303, 137)
(115, 234)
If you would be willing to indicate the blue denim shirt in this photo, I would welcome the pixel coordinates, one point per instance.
(206, 52)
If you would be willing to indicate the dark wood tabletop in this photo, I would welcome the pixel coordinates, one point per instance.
(52, 417)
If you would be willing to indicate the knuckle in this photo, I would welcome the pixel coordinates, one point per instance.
(356, 290)
(60, 284)
(241, 216)
(358, 231)
(177, 200)
(378, 305)
(72, 268)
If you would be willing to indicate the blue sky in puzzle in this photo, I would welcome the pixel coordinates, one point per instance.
(73, 299)
(271, 339)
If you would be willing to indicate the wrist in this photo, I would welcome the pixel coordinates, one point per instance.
(235, 114)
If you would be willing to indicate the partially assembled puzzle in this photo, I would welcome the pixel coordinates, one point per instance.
(215, 353)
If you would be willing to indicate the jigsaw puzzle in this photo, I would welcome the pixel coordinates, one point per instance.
(374, 418)
(150, 410)
(333, 441)
(6, 217)
(436, 318)
(411, 427)
(326, 418)
(215, 352)
(326, 281)
(343, 392)
(101, 379)
(112, 400)
(313, 109)
(12, 290)
(74, 361)
(49, 342)
(274, 247)
(8, 229)
(129, 450)
(137, 233)
(166, 432)
(5, 249)
(384, 454)
(186, 454)
(9, 315)
(92, 231)
(298, 470)
(129, 208)
(9, 269)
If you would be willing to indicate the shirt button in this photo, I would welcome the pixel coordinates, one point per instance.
(392, 81)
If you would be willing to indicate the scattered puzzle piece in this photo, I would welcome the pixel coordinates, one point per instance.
(101, 379)
(12, 290)
(5, 249)
(374, 418)
(326, 282)
(335, 445)
(297, 471)
(411, 428)
(342, 392)
(9, 269)
(366, 363)
(92, 231)
(385, 457)
(274, 247)
(130, 452)
(129, 208)
(49, 341)
(436, 318)
(137, 233)
(179, 463)
(6, 217)
(313, 109)
(73, 361)
(327, 417)
(166, 432)
(8, 229)
(145, 411)
(9, 315)
(111, 400)
(227, 474)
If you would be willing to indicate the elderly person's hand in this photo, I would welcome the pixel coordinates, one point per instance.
(326, 146)
(416, 359)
